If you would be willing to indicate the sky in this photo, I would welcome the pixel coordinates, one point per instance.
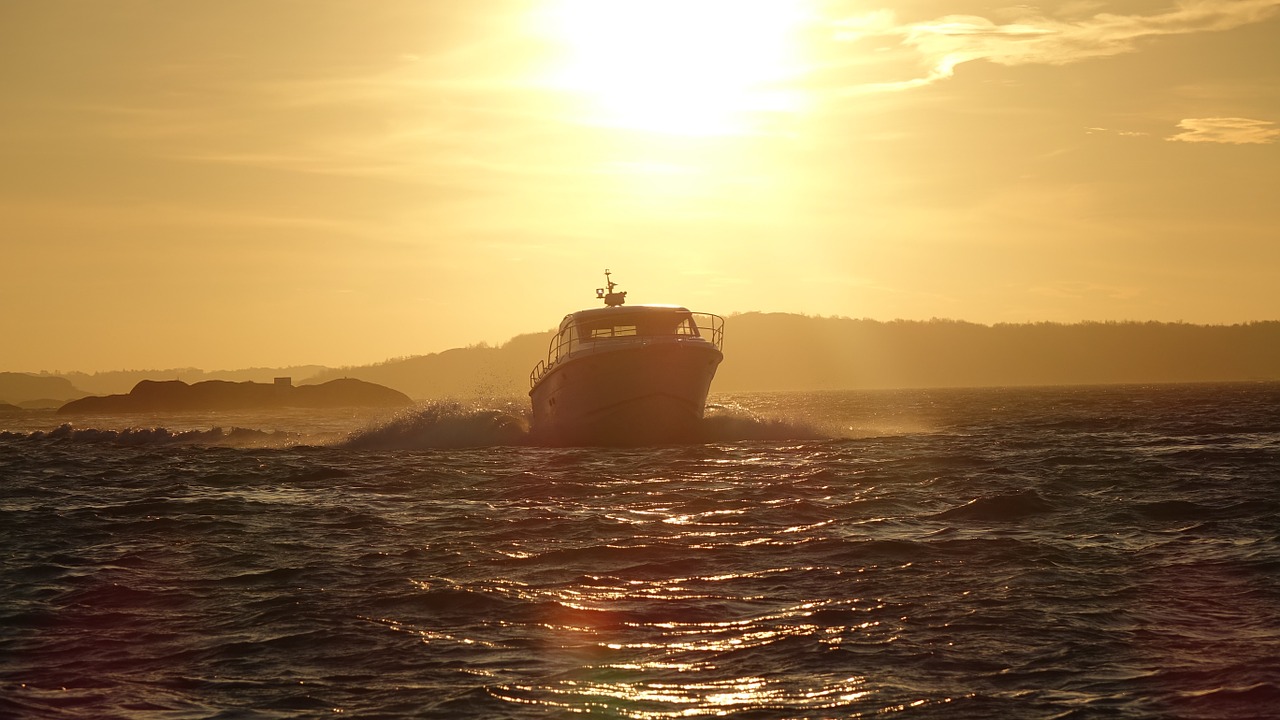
(264, 183)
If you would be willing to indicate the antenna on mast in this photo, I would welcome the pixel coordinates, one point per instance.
(611, 298)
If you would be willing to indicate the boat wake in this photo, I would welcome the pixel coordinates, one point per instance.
(444, 425)
(455, 425)
(735, 424)
(434, 425)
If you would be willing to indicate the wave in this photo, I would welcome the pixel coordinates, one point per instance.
(736, 426)
(235, 436)
(450, 425)
(443, 425)
(432, 426)
(999, 508)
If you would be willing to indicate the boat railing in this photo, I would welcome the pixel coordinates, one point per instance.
(712, 325)
(704, 326)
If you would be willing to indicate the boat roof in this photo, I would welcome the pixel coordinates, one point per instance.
(621, 311)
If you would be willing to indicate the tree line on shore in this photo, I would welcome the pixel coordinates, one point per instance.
(787, 352)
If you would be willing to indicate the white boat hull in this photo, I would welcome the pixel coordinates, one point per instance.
(644, 392)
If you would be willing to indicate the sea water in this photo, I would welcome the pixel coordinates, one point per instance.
(998, 553)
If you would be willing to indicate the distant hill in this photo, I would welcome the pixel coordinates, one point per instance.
(21, 388)
(481, 371)
(790, 352)
(776, 351)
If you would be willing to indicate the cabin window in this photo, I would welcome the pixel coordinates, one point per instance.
(613, 331)
(642, 324)
(564, 344)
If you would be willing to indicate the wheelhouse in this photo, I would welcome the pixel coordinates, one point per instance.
(609, 328)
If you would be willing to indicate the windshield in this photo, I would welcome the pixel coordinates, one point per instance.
(634, 324)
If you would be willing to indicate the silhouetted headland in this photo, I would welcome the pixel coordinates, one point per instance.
(25, 391)
(787, 352)
(177, 396)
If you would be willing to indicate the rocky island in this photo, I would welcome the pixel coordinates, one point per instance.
(178, 396)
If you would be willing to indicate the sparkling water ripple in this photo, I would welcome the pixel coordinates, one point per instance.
(1037, 553)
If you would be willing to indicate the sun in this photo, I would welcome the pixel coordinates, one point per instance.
(689, 67)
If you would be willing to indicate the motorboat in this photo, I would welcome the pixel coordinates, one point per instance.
(626, 374)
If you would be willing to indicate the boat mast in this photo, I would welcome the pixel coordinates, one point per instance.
(611, 298)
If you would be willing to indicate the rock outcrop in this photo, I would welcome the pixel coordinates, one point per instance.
(177, 396)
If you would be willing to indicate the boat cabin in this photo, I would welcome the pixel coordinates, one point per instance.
(617, 327)
(589, 327)
(650, 320)
(600, 329)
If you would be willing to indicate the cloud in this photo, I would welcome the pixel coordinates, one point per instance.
(1232, 131)
(1112, 131)
(949, 41)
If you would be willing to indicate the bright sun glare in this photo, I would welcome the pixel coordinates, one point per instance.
(689, 67)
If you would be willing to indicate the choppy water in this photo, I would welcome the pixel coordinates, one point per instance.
(1028, 553)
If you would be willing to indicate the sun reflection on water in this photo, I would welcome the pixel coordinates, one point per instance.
(670, 612)
(655, 700)
(643, 662)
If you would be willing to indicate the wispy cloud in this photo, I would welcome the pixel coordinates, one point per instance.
(947, 42)
(1231, 131)
(1112, 131)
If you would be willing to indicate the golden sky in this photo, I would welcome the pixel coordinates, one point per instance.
(269, 182)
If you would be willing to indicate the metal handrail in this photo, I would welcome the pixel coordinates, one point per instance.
(709, 327)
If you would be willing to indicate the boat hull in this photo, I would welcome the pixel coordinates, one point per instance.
(641, 393)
